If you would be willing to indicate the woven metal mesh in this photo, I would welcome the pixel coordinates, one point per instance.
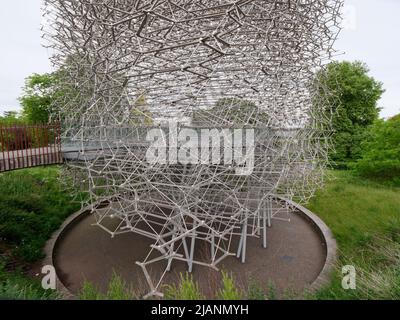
(129, 66)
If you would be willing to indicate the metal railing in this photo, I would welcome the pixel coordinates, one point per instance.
(26, 146)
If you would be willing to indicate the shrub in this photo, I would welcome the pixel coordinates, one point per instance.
(271, 294)
(117, 290)
(90, 292)
(186, 290)
(229, 289)
(255, 292)
(381, 152)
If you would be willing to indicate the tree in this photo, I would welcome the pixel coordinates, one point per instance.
(38, 96)
(397, 117)
(354, 107)
(43, 94)
(231, 111)
(10, 117)
(140, 114)
(380, 156)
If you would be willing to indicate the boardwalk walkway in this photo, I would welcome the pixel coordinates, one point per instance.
(28, 158)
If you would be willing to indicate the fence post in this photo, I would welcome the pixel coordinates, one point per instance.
(25, 146)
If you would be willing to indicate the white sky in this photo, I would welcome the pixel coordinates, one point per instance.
(372, 35)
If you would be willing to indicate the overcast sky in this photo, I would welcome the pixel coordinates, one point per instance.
(371, 34)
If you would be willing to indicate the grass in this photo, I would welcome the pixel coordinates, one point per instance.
(118, 289)
(229, 290)
(187, 289)
(14, 285)
(255, 291)
(364, 216)
(32, 206)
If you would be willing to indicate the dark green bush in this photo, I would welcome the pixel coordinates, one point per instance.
(255, 291)
(381, 152)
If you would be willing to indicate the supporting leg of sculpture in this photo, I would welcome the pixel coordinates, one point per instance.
(212, 248)
(243, 242)
(269, 208)
(171, 250)
(244, 235)
(264, 221)
(192, 245)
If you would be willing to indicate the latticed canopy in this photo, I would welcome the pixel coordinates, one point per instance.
(250, 66)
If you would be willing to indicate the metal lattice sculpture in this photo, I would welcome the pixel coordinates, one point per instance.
(128, 66)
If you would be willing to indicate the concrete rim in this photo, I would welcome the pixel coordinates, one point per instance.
(322, 229)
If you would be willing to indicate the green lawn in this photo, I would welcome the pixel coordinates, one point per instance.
(365, 219)
(32, 206)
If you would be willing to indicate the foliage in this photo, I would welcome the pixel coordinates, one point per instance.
(271, 293)
(359, 212)
(380, 157)
(229, 290)
(363, 215)
(11, 117)
(117, 290)
(44, 93)
(231, 111)
(32, 207)
(140, 114)
(90, 292)
(383, 281)
(354, 108)
(255, 291)
(18, 287)
(395, 118)
(37, 98)
(379, 280)
(187, 289)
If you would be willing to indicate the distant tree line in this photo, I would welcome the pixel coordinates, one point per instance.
(380, 151)
(354, 108)
(36, 100)
(361, 141)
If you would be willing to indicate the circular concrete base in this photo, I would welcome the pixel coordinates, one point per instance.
(299, 256)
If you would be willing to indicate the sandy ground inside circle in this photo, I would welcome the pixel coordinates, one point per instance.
(294, 258)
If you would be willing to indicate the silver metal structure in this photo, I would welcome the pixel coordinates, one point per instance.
(131, 66)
